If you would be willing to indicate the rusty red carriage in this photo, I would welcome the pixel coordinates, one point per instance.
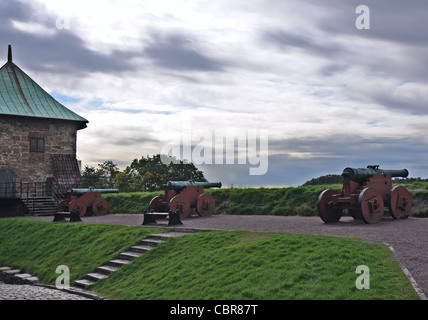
(365, 194)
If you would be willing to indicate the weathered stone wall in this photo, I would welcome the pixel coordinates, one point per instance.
(12, 208)
(15, 134)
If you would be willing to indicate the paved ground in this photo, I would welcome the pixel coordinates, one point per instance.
(408, 238)
(29, 292)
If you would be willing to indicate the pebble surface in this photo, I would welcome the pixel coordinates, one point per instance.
(30, 292)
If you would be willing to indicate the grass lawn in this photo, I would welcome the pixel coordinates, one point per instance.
(221, 265)
(38, 248)
(234, 265)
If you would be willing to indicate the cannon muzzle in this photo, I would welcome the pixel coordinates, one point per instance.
(180, 185)
(362, 174)
(79, 192)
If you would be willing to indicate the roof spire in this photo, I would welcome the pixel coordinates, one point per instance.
(9, 54)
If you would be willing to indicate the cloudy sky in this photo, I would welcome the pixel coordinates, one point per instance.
(145, 73)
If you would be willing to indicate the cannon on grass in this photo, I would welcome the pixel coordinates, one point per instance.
(365, 194)
(86, 202)
(179, 200)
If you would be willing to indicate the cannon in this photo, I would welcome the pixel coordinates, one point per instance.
(86, 201)
(365, 193)
(180, 198)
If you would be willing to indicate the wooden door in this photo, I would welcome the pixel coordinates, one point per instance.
(7, 183)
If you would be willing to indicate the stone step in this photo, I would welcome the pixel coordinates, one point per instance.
(13, 272)
(41, 206)
(126, 257)
(167, 236)
(151, 242)
(84, 283)
(106, 269)
(32, 280)
(118, 262)
(96, 276)
(141, 249)
(129, 255)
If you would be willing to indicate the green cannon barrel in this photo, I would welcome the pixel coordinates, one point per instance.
(362, 174)
(180, 185)
(79, 192)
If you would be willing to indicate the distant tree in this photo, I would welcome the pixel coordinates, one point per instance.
(103, 177)
(150, 174)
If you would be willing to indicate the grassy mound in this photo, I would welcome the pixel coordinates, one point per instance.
(258, 266)
(39, 248)
(223, 265)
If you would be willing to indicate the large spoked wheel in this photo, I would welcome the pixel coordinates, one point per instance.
(399, 202)
(63, 206)
(158, 204)
(78, 205)
(179, 203)
(205, 205)
(100, 207)
(326, 211)
(370, 203)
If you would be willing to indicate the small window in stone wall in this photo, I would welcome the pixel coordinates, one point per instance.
(37, 145)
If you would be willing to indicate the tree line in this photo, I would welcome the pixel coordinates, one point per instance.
(145, 174)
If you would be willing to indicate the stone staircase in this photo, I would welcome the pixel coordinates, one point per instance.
(41, 206)
(127, 257)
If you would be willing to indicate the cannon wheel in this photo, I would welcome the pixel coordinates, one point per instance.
(63, 206)
(179, 203)
(205, 205)
(399, 202)
(100, 207)
(327, 213)
(155, 204)
(370, 203)
(78, 205)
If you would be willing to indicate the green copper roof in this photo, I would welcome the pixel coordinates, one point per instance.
(21, 96)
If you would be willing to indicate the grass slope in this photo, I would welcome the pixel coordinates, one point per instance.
(224, 265)
(258, 266)
(39, 248)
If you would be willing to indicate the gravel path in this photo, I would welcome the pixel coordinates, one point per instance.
(408, 238)
(30, 292)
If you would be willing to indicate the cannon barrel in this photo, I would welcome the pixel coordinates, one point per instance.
(362, 174)
(79, 192)
(180, 185)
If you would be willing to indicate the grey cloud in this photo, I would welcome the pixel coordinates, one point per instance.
(334, 153)
(333, 68)
(178, 52)
(393, 20)
(357, 148)
(331, 155)
(416, 105)
(14, 9)
(63, 52)
(285, 40)
(401, 54)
